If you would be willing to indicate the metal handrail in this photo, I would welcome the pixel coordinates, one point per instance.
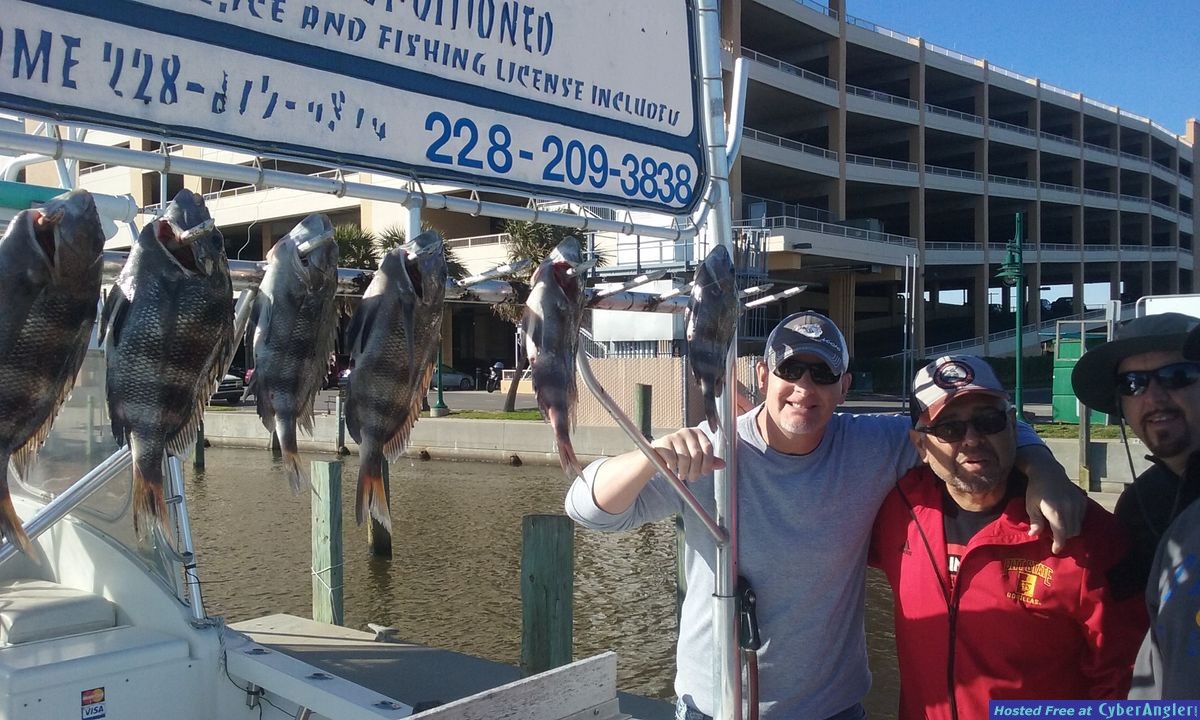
(1097, 103)
(839, 230)
(477, 240)
(1163, 206)
(939, 110)
(881, 96)
(868, 25)
(1009, 126)
(790, 209)
(954, 172)
(1006, 180)
(1060, 188)
(1136, 158)
(1099, 148)
(954, 54)
(1059, 138)
(1134, 116)
(1134, 199)
(1012, 74)
(788, 68)
(881, 162)
(788, 143)
(824, 10)
(937, 350)
(1100, 193)
(1061, 91)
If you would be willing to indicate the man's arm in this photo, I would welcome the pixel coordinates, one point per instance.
(619, 480)
(1051, 499)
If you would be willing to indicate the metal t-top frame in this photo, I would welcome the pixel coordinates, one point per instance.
(714, 214)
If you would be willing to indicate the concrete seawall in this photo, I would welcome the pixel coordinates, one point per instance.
(533, 442)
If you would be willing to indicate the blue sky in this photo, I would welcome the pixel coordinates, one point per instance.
(1138, 55)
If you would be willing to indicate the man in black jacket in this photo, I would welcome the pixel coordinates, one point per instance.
(1145, 378)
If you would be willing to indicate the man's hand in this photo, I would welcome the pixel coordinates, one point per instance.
(1053, 501)
(688, 453)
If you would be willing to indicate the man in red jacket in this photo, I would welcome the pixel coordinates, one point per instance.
(983, 611)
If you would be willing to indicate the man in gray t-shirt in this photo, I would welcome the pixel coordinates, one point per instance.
(810, 482)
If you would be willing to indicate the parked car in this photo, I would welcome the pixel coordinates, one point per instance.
(230, 390)
(452, 379)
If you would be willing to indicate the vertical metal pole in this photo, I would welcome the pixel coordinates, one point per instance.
(183, 523)
(91, 423)
(727, 654)
(341, 422)
(1020, 287)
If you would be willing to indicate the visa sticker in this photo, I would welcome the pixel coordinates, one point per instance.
(91, 704)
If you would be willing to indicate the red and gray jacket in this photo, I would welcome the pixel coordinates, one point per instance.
(1020, 622)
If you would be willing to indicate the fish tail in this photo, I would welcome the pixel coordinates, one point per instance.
(148, 500)
(372, 496)
(11, 527)
(292, 468)
(562, 437)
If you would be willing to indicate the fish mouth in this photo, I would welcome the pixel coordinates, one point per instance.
(43, 233)
(179, 243)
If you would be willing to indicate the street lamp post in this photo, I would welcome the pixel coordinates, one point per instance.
(439, 409)
(1012, 274)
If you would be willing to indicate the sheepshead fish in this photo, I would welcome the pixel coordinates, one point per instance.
(711, 317)
(293, 336)
(550, 326)
(168, 326)
(50, 265)
(393, 339)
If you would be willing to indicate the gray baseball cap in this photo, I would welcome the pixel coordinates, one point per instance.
(807, 332)
(1094, 378)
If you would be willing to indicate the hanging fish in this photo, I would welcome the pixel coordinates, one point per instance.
(168, 325)
(711, 319)
(294, 330)
(550, 326)
(50, 267)
(393, 339)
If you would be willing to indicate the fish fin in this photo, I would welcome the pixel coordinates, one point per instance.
(359, 331)
(372, 496)
(11, 527)
(562, 438)
(394, 447)
(292, 470)
(116, 306)
(183, 442)
(23, 459)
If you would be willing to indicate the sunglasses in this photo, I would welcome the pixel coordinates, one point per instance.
(793, 370)
(1169, 377)
(988, 422)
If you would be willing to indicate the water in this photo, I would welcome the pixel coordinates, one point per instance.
(454, 580)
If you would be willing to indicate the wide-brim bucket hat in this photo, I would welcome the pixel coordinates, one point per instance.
(1094, 378)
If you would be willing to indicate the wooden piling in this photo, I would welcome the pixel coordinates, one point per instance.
(198, 455)
(327, 542)
(91, 424)
(379, 540)
(547, 581)
(641, 408)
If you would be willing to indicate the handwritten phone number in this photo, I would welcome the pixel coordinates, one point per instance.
(564, 161)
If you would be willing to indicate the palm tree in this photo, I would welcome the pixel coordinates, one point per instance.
(356, 247)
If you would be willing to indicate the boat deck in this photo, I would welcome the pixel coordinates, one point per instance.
(416, 675)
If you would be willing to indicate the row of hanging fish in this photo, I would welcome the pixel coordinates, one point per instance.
(168, 329)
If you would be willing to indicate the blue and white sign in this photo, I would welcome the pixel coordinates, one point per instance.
(594, 101)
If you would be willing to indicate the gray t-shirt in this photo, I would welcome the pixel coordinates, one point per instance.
(1168, 665)
(804, 526)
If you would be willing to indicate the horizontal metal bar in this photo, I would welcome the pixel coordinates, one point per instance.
(54, 148)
